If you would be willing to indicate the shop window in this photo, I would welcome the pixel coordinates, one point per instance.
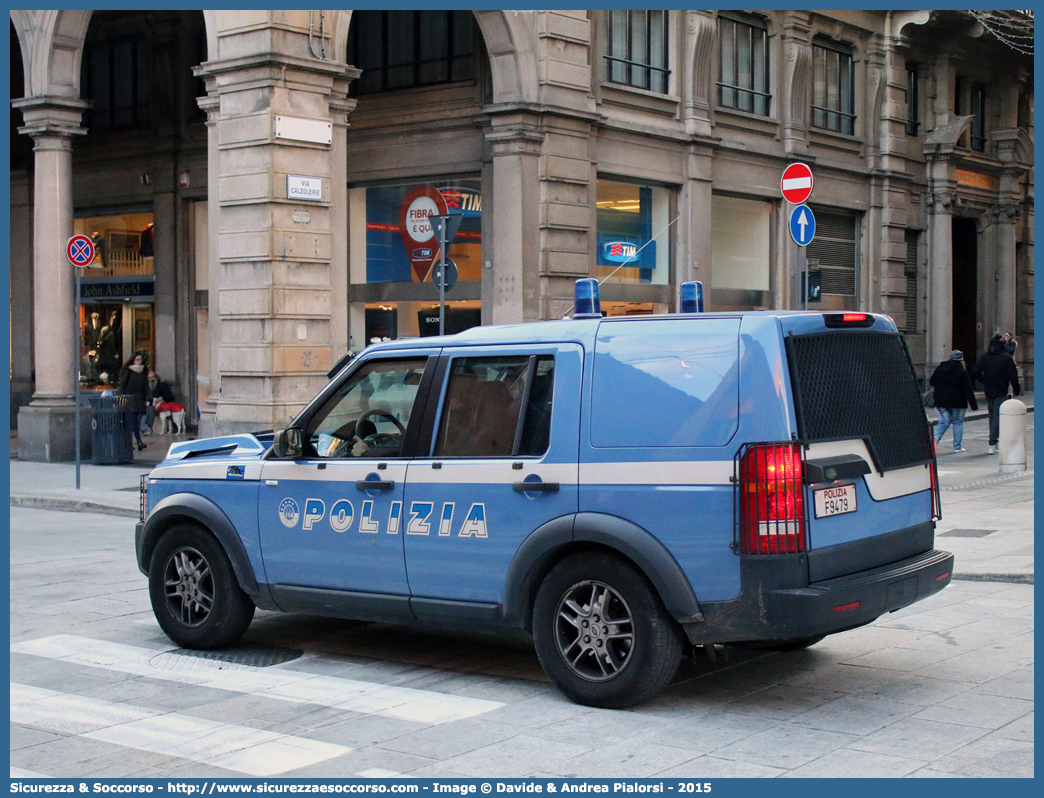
(116, 292)
(833, 88)
(636, 49)
(913, 100)
(834, 247)
(400, 246)
(632, 243)
(741, 232)
(743, 66)
(393, 245)
(116, 79)
(403, 49)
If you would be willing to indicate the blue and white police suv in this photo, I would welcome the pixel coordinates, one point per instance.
(618, 487)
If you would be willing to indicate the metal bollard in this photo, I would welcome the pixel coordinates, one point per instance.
(1012, 440)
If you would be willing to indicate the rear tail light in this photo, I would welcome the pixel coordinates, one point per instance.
(771, 499)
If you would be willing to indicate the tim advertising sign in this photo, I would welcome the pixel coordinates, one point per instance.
(615, 252)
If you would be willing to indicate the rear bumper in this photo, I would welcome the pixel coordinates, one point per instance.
(766, 611)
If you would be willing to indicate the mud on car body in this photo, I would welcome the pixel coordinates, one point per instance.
(617, 487)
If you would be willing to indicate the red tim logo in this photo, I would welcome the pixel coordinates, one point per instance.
(616, 249)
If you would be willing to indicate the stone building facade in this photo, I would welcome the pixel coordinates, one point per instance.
(250, 177)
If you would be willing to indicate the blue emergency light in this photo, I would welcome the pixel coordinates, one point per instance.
(692, 297)
(586, 299)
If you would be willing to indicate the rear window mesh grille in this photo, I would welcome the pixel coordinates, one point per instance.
(860, 385)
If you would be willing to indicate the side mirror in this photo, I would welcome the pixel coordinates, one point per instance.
(287, 444)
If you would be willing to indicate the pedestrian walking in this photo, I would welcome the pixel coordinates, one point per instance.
(135, 382)
(995, 369)
(953, 396)
(1010, 343)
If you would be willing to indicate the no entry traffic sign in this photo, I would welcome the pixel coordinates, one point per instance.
(80, 250)
(796, 183)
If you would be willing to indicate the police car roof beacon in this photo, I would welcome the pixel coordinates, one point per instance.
(692, 297)
(585, 299)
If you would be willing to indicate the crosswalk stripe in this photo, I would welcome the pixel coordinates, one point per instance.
(403, 703)
(256, 752)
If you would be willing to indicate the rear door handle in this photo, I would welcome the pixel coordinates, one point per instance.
(380, 484)
(536, 487)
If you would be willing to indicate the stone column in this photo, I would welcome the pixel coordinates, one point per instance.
(208, 409)
(939, 329)
(165, 270)
(21, 253)
(45, 427)
(274, 288)
(1005, 219)
(695, 217)
(516, 143)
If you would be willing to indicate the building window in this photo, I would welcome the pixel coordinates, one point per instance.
(834, 249)
(392, 243)
(628, 218)
(636, 49)
(117, 294)
(977, 109)
(833, 87)
(971, 101)
(741, 232)
(116, 79)
(743, 66)
(910, 302)
(403, 49)
(913, 112)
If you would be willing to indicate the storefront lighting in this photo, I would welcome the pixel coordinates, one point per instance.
(630, 206)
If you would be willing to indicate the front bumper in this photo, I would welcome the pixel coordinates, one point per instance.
(768, 611)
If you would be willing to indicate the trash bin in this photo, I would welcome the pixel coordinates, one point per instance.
(110, 430)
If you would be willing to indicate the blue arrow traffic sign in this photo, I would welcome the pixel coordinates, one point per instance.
(802, 225)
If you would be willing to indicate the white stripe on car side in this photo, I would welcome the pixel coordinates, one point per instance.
(688, 472)
(489, 472)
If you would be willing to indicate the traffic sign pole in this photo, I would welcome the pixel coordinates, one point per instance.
(80, 251)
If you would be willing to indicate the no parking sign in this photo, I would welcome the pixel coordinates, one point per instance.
(80, 250)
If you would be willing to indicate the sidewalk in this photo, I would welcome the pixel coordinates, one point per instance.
(987, 515)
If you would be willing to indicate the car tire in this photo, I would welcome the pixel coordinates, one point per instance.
(194, 592)
(602, 633)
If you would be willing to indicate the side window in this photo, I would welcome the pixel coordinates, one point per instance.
(368, 415)
(483, 416)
